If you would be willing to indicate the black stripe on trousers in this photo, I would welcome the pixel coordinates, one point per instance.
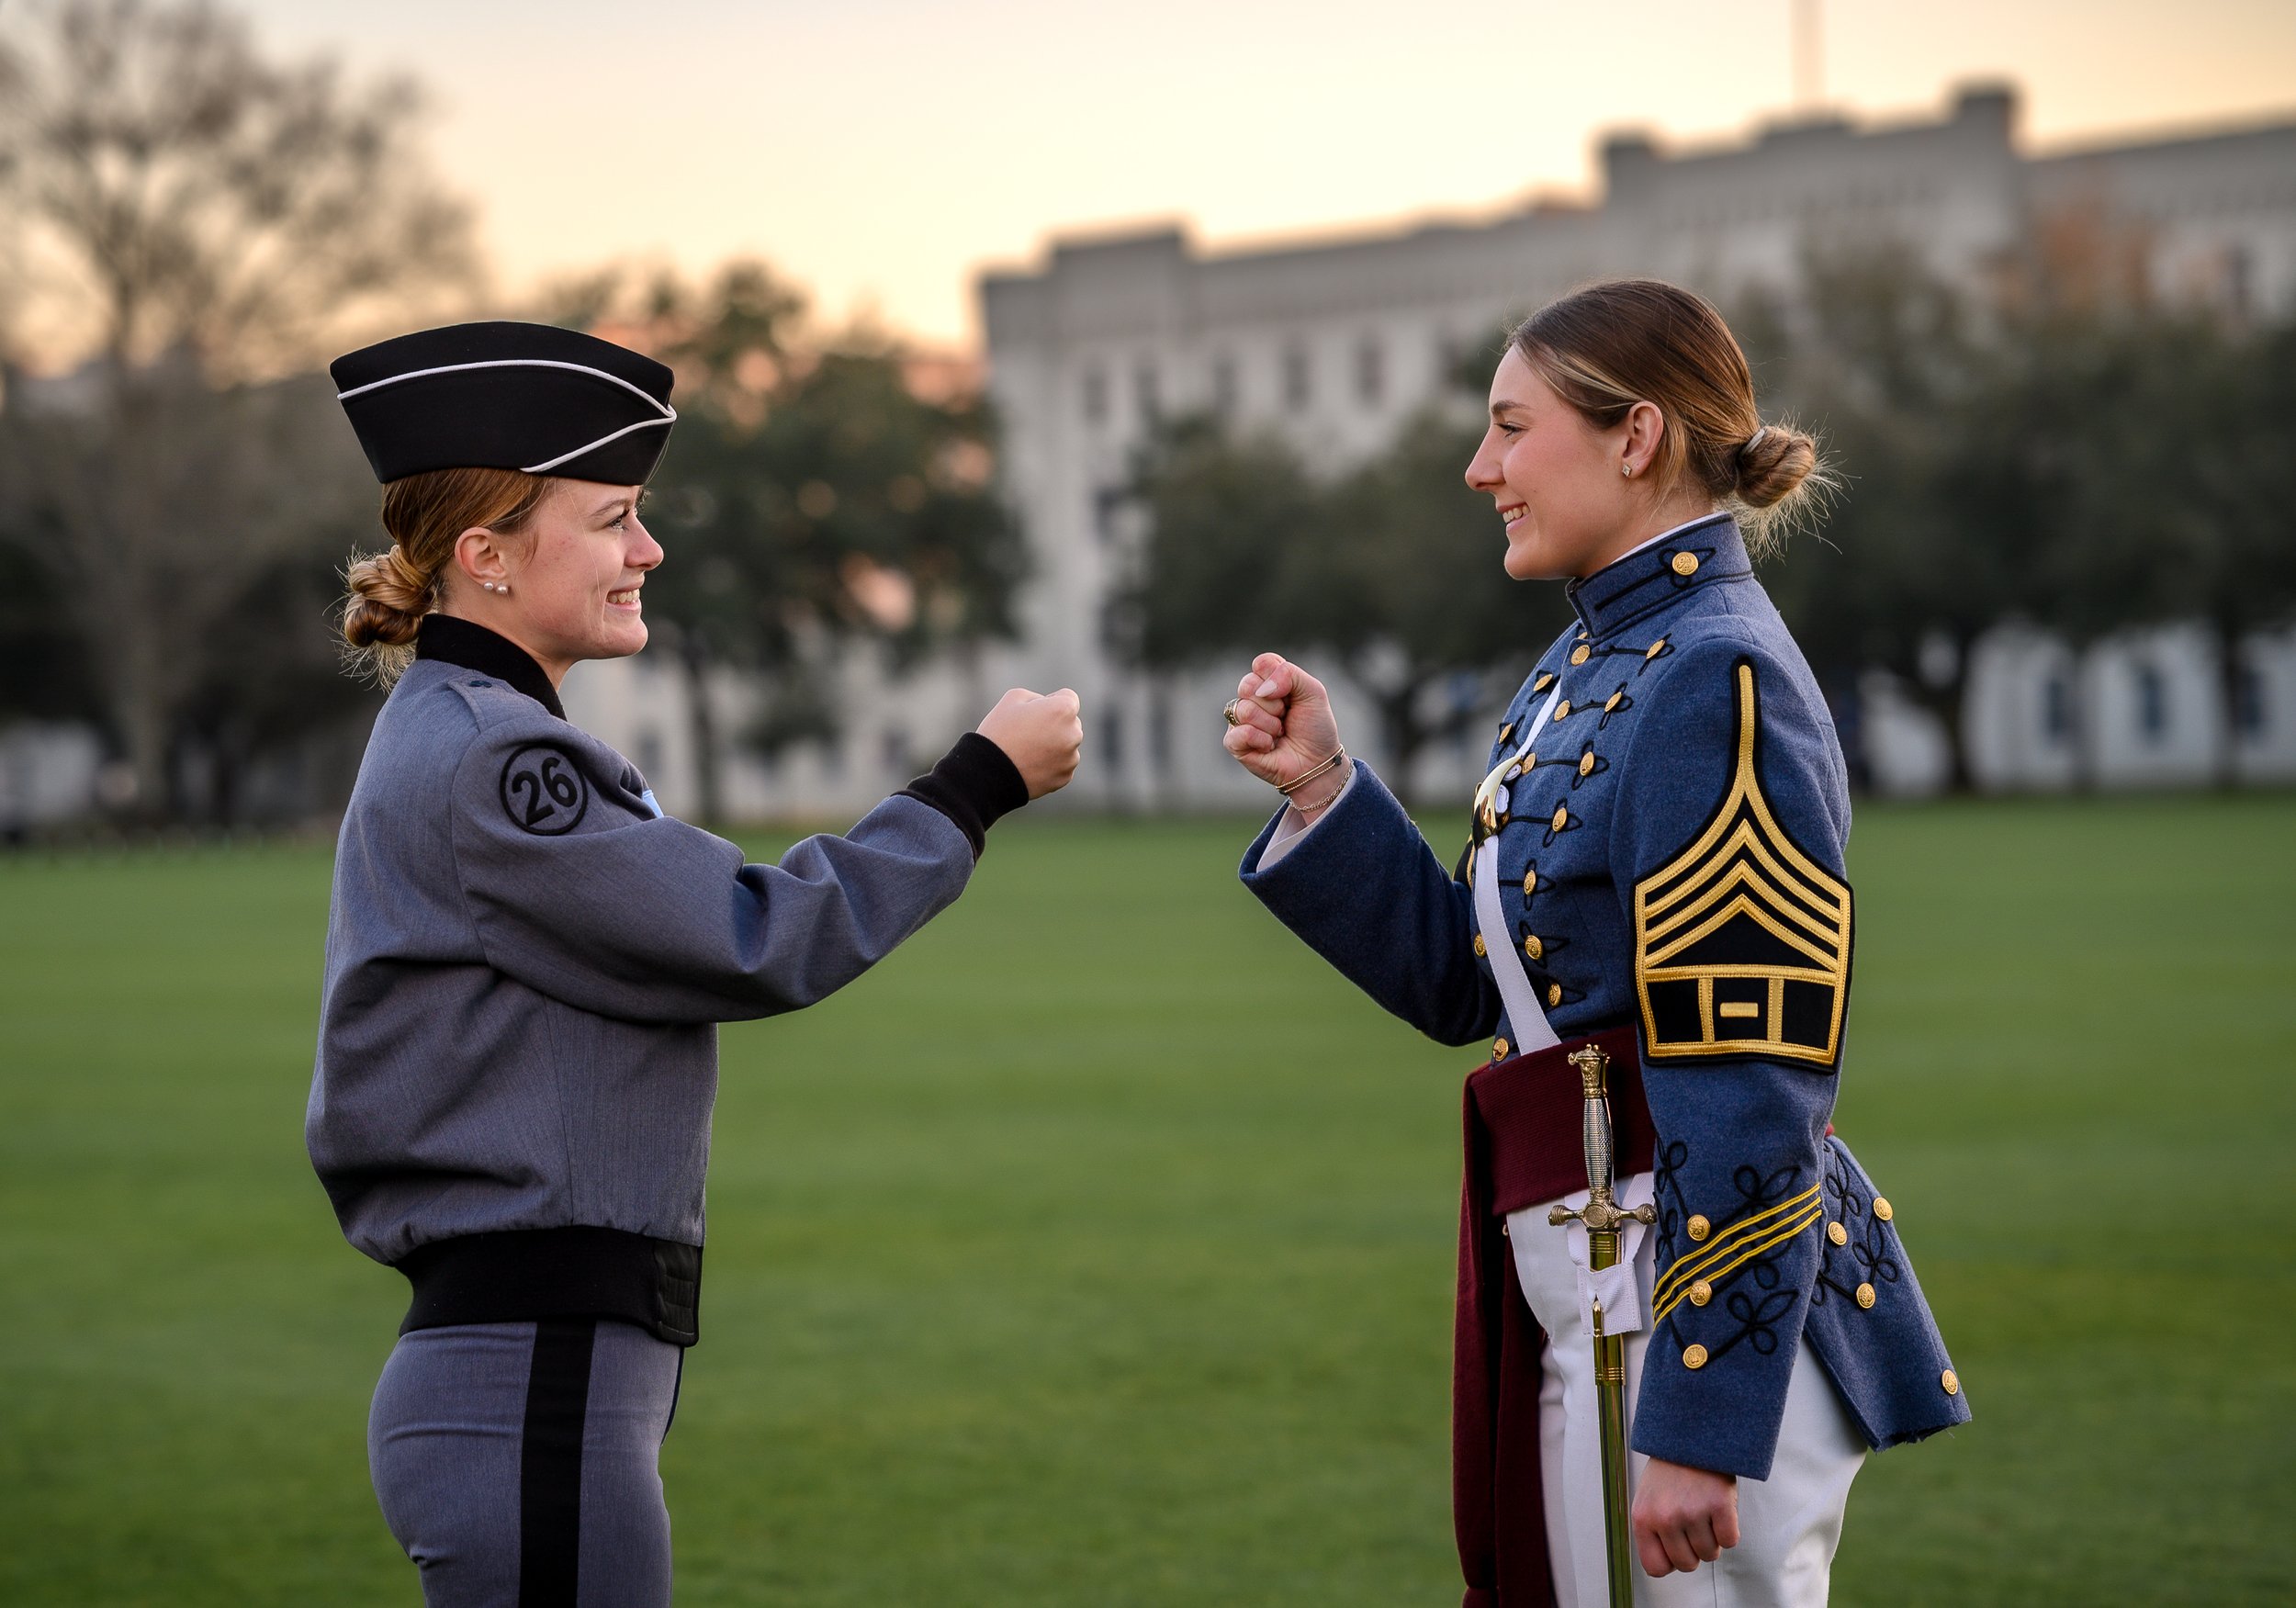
(550, 1463)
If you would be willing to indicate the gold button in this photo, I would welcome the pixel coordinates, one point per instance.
(1480, 950)
(1530, 881)
(1554, 994)
(1686, 564)
(1865, 1296)
(1837, 1233)
(1562, 818)
(1562, 710)
(1698, 1227)
(1544, 681)
(1580, 654)
(1882, 1210)
(1655, 649)
(1499, 1049)
(1610, 704)
(1694, 1357)
(1700, 1292)
(1952, 1381)
(1506, 731)
(1534, 948)
(1586, 763)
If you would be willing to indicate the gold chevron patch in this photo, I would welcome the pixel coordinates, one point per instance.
(1742, 941)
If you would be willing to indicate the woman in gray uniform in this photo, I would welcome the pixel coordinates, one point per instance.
(526, 962)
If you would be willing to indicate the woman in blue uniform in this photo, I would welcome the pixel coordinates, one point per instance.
(1656, 866)
(526, 962)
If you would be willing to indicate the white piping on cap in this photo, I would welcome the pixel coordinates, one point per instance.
(568, 458)
(668, 413)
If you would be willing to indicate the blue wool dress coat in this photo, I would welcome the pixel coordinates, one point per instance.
(1670, 856)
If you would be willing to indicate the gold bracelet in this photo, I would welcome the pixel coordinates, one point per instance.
(1326, 802)
(1297, 783)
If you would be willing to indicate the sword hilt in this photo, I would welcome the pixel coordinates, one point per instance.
(1601, 1214)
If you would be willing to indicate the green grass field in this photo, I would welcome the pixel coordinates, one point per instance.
(1097, 1249)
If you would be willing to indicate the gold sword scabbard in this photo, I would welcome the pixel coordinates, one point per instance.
(1601, 1217)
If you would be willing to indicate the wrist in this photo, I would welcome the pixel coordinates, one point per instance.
(1311, 808)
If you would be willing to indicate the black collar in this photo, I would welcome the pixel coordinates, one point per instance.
(1698, 555)
(456, 641)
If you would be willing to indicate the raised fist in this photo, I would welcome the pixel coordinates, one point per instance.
(1285, 727)
(1042, 735)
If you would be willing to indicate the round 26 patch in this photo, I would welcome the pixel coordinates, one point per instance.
(542, 790)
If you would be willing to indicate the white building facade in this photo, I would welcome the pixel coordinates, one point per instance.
(1336, 343)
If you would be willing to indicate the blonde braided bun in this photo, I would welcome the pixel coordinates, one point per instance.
(1773, 465)
(389, 598)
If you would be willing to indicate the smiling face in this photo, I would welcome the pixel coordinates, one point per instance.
(1572, 495)
(567, 582)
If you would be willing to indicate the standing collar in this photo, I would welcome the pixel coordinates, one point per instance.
(1688, 557)
(455, 641)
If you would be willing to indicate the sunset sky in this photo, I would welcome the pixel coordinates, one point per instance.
(881, 152)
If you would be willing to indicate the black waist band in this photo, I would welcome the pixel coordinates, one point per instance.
(557, 1272)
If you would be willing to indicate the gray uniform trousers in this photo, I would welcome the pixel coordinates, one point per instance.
(518, 1462)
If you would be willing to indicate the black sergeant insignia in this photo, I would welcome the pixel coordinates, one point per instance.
(1742, 941)
(542, 790)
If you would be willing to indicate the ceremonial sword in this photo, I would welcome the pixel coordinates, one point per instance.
(1601, 1218)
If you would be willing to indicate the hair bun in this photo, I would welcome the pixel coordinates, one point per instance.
(389, 598)
(1772, 463)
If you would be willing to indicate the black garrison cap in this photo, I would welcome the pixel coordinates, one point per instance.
(507, 396)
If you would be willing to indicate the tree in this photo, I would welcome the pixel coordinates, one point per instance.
(172, 190)
(1918, 557)
(163, 522)
(1393, 568)
(194, 218)
(813, 498)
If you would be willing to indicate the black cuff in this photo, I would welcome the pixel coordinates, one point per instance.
(975, 785)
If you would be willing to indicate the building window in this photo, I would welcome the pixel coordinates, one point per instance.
(1113, 740)
(1298, 381)
(2152, 702)
(1146, 395)
(1107, 502)
(2240, 281)
(1226, 391)
(1095, 395)
(1370, 372)
(2056, 709)
(2248, 701)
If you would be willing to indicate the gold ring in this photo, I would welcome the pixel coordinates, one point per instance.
(1230, 712)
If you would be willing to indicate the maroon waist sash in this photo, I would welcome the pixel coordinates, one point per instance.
(1523, 1147)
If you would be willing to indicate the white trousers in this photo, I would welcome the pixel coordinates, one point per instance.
(1788, 1524)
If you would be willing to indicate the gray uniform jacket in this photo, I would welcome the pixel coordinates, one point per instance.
(526, 961)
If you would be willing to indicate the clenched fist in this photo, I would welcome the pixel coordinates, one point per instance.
(1042, 735)
(1285, 729)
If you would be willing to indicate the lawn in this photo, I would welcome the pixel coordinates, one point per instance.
(1098, 1248)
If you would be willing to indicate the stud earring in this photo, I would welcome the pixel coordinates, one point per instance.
(1628, 471)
